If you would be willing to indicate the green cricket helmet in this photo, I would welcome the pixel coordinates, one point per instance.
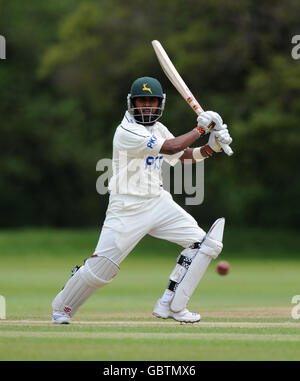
(146, 87)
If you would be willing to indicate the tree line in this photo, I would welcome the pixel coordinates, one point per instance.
(69, 67)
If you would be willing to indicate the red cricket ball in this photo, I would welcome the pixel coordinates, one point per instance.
(223, 267)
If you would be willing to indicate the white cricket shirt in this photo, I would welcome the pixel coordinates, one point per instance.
(136, 159)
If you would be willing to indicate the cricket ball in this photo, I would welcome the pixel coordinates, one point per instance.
(223, 267)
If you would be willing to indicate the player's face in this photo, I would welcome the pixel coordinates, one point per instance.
(146, 109)
(146, 104)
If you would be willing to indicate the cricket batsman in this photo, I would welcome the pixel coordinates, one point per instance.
(138, 205)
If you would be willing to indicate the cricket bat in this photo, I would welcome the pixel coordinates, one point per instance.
(173, 75)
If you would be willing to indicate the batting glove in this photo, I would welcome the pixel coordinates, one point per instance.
(208, 121)
(221, 136)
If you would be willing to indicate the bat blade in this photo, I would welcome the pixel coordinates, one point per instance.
(174, 77)
(177, 81)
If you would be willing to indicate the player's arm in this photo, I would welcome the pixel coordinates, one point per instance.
(188, 156)
(172, 146)
(200, 153)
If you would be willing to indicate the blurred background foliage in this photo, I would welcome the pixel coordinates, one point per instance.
(69, 68)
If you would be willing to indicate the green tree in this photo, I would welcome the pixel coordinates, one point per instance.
(69, 69)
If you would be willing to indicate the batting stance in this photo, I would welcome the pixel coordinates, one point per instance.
(138, 205)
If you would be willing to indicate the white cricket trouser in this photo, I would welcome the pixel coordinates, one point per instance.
(129, 219)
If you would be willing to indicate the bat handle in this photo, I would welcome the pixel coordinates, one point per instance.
(226, 148)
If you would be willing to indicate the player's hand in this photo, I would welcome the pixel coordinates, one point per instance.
(208, 121)
(216, 137)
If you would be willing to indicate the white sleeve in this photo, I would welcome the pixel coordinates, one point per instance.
(171, 159)
(137, 142)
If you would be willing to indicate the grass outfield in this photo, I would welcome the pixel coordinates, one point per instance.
(246, 315)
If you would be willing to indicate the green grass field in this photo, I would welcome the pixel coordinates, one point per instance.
(246, 315)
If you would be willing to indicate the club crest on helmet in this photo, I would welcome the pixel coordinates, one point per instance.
(146, 88)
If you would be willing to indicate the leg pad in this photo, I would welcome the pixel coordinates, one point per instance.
(191, 274)
(97, 271)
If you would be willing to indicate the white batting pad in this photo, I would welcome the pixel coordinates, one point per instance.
(210, 247)
(96, 272)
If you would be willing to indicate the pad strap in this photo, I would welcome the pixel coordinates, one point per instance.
(184, 261)
(179, 273)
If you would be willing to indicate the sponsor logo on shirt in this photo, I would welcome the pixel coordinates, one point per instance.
(152, 141)
(156, 161)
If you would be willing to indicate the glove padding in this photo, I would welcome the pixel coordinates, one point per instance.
(209, 120)
(220, 136)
